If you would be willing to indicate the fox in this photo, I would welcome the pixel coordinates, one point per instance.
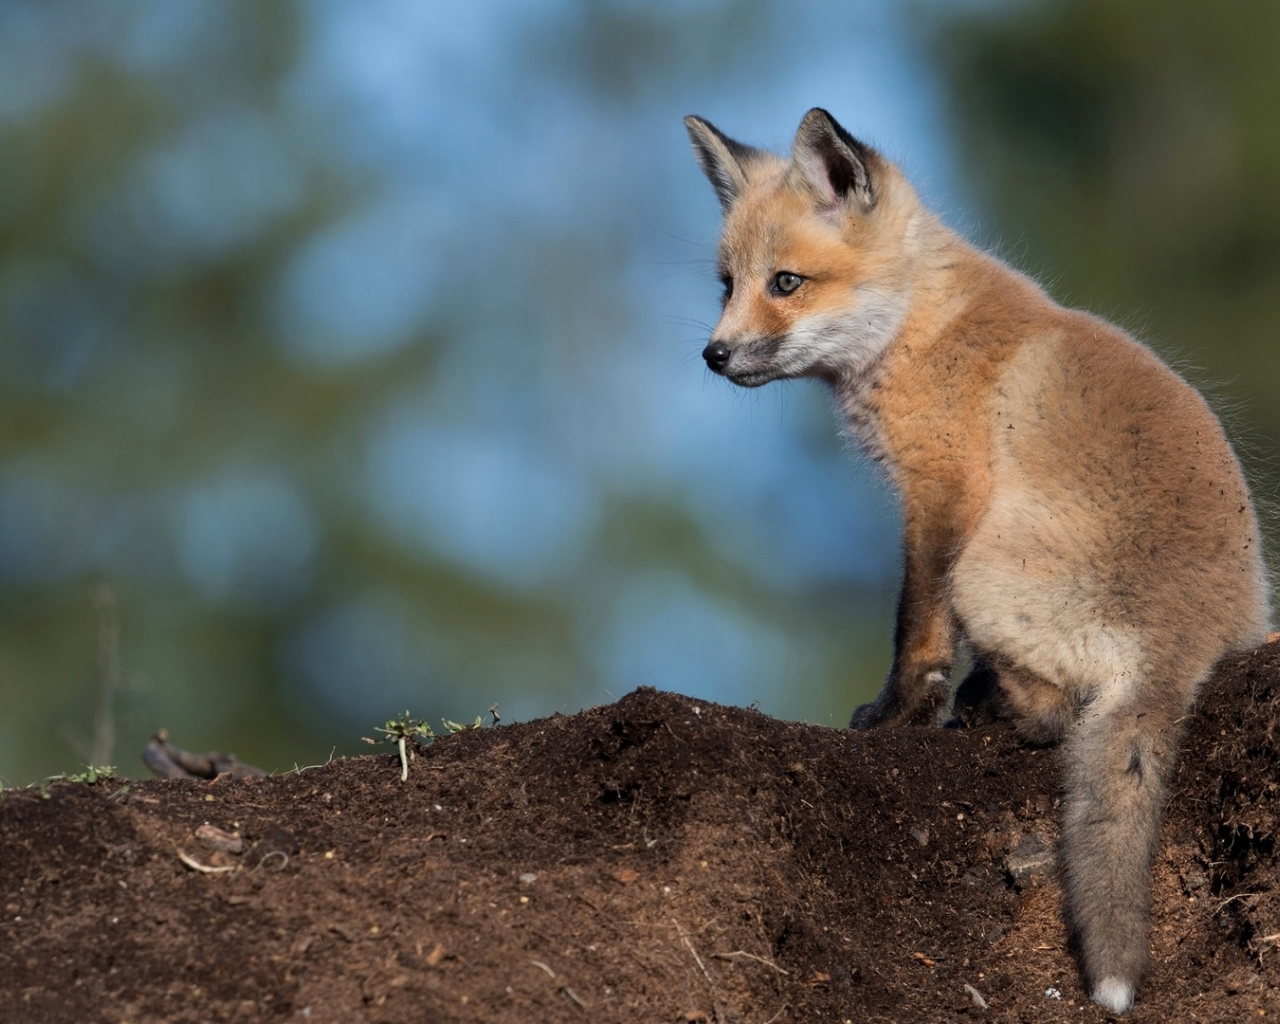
(1073, 513)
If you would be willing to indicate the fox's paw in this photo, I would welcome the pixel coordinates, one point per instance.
(868, 716)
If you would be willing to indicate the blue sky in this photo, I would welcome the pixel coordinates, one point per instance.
(532, 222)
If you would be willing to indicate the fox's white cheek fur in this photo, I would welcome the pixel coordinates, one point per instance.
(847, 340)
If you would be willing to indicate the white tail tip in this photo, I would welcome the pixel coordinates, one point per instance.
(1114, 994)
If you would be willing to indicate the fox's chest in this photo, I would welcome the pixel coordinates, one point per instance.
(927, 419)
(863, 421)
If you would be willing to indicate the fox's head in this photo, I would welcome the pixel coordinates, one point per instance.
(813, 257)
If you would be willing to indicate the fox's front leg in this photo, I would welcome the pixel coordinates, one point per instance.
(924, 637)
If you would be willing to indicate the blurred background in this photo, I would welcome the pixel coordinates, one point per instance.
(349, 352)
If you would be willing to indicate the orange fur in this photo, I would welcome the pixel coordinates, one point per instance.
(1072, 508)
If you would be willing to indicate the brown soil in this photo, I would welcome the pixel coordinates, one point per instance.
(658, 859)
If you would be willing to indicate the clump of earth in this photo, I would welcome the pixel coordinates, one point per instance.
(657, 859)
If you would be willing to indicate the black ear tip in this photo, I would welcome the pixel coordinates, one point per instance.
(698, 127)
(817, 117)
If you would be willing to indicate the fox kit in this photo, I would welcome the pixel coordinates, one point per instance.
(1072, 508)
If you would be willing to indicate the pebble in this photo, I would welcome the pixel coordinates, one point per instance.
(1032, 860)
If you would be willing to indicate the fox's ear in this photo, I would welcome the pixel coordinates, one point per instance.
(834, 162)
(722, 159)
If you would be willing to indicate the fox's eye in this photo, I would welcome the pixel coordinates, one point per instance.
(786, 282)
(727, 282)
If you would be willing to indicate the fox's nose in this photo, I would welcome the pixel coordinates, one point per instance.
(717, 355)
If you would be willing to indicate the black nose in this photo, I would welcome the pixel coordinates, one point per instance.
(717, 355)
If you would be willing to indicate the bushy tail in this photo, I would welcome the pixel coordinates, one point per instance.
(1118, 762)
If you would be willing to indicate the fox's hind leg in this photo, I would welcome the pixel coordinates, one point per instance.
(1118, 760)
(1041, 711)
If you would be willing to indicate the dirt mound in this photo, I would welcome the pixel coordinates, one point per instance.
(657, 859)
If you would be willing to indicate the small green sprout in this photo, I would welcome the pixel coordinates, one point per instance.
(399, 731)
(453, 727)
(90, 775)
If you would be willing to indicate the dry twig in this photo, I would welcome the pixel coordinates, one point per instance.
(697, 959)
(170, 762)
(207, 869)
(749, 956)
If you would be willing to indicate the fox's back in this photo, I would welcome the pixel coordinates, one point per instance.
(1120, 482)
(1065, 446)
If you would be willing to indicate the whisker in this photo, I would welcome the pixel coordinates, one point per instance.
(704, 262)
(703, 270)
(672, 235)
(688, 321)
